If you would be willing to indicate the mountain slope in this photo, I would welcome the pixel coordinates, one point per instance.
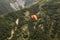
(47, 27)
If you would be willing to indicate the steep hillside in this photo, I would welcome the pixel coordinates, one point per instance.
(47, 27)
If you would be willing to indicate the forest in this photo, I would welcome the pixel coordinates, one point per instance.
(46, 27)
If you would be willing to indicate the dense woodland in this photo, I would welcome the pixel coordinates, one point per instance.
(47, 27)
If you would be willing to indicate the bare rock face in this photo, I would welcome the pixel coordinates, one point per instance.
(13, 5)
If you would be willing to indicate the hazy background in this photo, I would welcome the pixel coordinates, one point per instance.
(5, 5)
